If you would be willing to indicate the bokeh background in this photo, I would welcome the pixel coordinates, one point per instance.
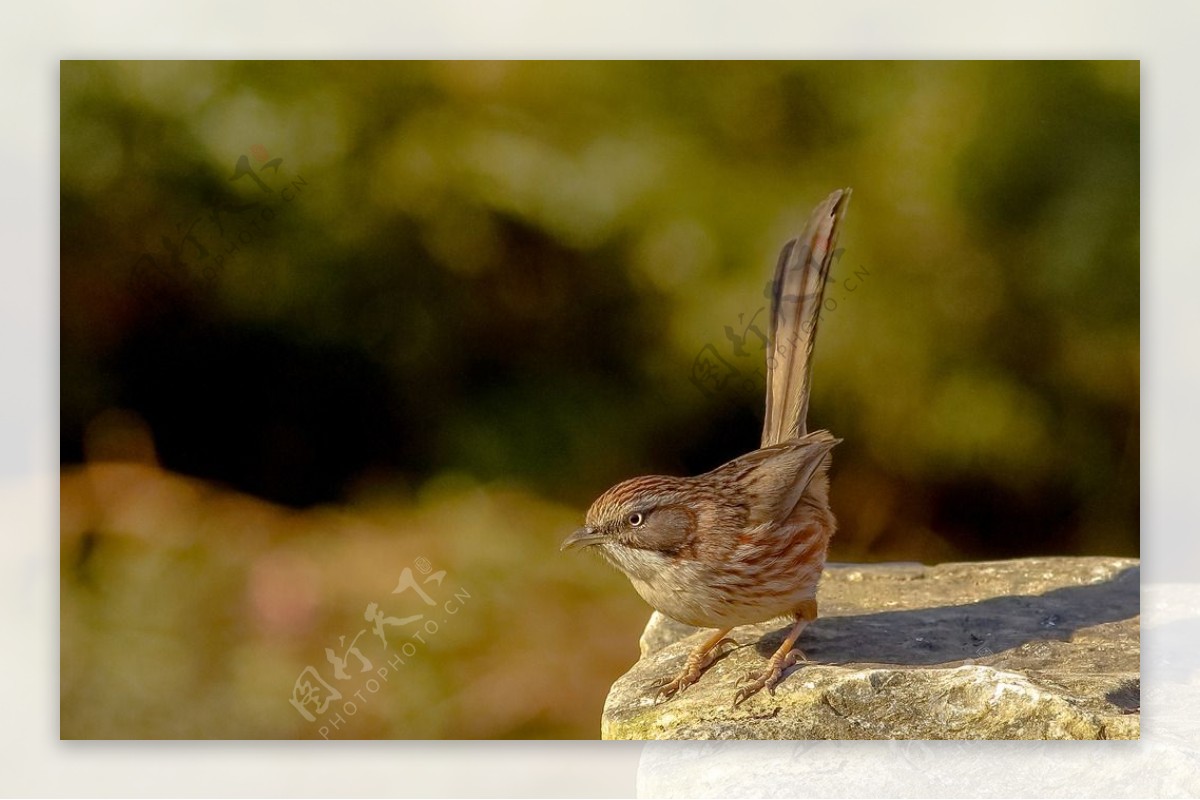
(330, 330)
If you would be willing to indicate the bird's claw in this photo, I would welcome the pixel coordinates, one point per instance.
(691, 672)
(674, 687)
(768, 678)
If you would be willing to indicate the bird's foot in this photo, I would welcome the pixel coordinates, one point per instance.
(693, 668)
(769, 677)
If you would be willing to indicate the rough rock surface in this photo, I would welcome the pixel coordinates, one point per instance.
(1041, 648)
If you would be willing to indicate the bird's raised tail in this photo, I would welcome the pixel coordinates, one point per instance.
(797, 295)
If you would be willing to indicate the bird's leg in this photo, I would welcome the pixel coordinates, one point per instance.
(784, 657)
(698, 661)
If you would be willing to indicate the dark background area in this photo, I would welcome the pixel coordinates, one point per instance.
(387, 288)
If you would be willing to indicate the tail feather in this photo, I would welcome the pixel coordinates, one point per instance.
(797, 295)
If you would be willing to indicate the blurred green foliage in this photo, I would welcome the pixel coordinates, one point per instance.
(506, 270)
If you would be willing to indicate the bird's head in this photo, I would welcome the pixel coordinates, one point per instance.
(638, 522)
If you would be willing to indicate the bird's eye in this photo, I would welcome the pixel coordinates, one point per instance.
(637, 518)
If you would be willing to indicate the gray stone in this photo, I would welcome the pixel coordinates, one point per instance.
(1040, 648)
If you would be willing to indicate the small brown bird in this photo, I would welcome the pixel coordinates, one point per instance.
(746, 542)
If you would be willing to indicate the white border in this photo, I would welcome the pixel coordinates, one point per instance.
(36, 36)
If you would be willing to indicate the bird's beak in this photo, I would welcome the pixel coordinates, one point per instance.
(584, 537)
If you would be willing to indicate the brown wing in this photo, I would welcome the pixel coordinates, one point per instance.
(772, 480)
